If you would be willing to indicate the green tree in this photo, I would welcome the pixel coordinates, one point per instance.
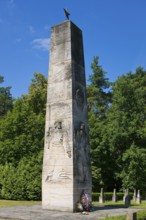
(126, 120)
(134, 168)
(99, 99)
(37, 93)
(21, 144)
(98, 93)
(22, 182)
(6, 101)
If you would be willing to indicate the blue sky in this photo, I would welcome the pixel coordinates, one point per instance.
(115, 30)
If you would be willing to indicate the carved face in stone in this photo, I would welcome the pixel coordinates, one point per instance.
(58, 125)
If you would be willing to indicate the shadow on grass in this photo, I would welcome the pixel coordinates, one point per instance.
(114, 206)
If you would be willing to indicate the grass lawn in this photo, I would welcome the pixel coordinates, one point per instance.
(141, 215)
(6, 203)
(121, 204)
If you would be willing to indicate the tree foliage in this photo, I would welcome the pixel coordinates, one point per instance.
(37, 93)
(99, 99)
(127, 121)
(21, 144)
(6, 101)
(133, 173)
(117, 125)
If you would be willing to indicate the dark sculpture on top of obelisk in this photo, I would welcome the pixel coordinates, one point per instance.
(66, 162)
(67, 14)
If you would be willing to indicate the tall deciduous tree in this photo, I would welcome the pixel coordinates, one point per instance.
(134, 168)
(21, 144)
(127, 123)
(37, 93)
(6, 101)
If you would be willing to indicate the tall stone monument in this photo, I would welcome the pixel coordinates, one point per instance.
(66, 164)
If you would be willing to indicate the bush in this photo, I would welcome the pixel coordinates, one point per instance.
(22, 182)
(95, 196)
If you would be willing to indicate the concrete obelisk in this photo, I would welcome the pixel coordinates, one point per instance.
(66, 163)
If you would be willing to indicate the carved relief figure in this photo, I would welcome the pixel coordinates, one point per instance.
(64, 175)
(57, 139)
(59, 176)
(49, 176)
(58, 145)
(79, 98)
(82, 157)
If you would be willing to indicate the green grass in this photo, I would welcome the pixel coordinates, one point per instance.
(8, 203)
(121, 204)
(5, 203)
(141, 215)
(120, 217)
(141, 206)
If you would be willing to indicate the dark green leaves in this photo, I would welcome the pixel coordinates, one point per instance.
(21, 144)
(6, 101)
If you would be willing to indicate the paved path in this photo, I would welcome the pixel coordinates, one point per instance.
(35, 212)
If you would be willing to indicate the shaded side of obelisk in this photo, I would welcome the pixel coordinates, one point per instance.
(66, 163)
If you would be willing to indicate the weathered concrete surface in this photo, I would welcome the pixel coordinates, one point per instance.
(66, 164)
(36, 212)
